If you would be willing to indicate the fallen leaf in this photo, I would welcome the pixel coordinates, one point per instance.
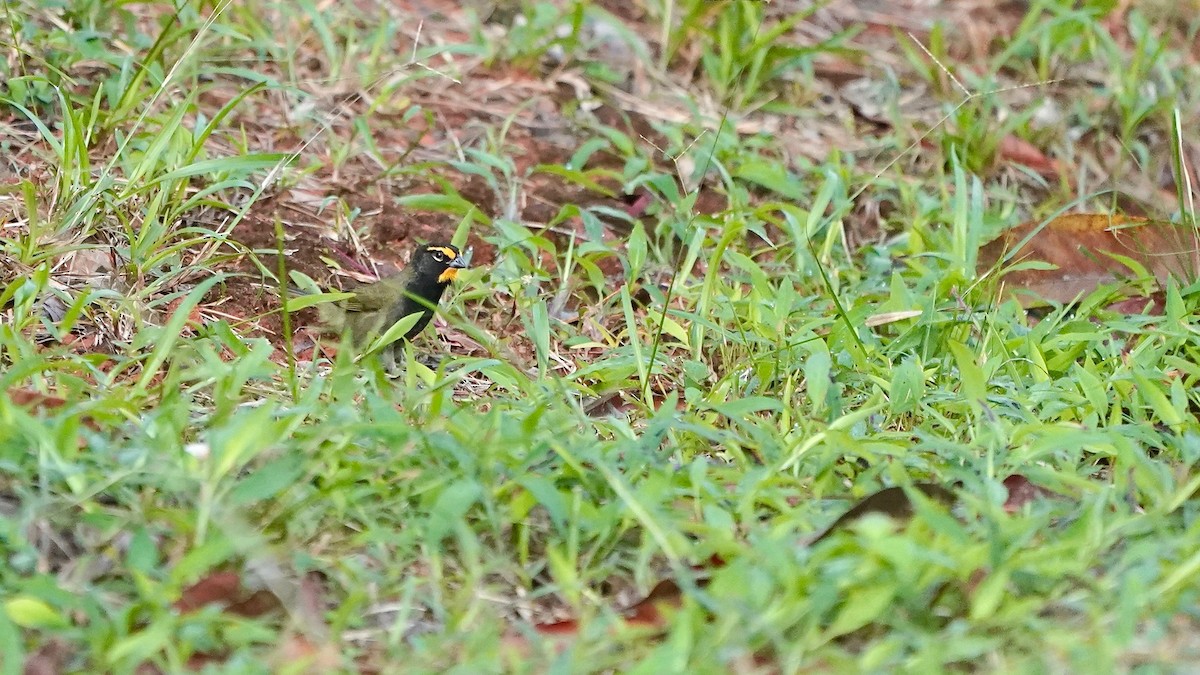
(645, 613)
(641, 201)
(1152, 305)
(226, 588)
(28, 398)
(49, 659)
(309, 606)
(195, 319)
(296, 654)
(892, 501)
(649, 611)
(892, 317)
(1020, 151)
(1021, 492)
(95, 266)
(565, 627)
(217, 587)
(259, 603)
(620, 403)
(1081, 248)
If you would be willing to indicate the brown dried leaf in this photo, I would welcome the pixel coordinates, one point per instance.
(226, 589)
(297, 654)
(641, 201)
(1081, 247)
(649, 611)
(258, 603)
(1021, 492)
(564, 628)
(28, 398)
(223, 587)
(892, 501)
(49, 659)
(1021, 151)
(892, 317)
(92, 264)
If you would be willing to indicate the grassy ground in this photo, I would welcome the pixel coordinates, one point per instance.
(724, 285)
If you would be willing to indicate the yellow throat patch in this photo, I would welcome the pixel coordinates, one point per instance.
(451, 273)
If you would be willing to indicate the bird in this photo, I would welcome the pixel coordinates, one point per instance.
(375, 307)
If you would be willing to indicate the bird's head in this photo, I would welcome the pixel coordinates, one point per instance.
(438, 261)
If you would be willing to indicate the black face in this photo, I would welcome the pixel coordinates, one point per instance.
(437, 263)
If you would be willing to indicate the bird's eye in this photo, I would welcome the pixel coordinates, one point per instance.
(439, 256)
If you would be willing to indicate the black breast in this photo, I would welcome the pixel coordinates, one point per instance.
(430, 290)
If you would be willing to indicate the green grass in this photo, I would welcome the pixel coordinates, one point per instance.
(427, 523)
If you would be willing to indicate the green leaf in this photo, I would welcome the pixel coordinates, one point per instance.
(237, 164)
(268, 480)
(636, 248)
(973, 384)
(173, 329)
(907, 387)
(773, 176)
(11, 646)
(988, 595)
(442, 203)
(30, 612)
(142, 555)
(216, 549)
(589, 147)
(450, 508)
(139, 646)
(862, 606)
(1153, 394)
(817, 370)
(748, 406)
(539, 326)
(546, 494)
(396, 332)
(250, 431)
(581, 178)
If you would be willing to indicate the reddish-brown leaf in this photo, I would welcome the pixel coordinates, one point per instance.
(1081, 247)
(49, 659)
(31, 399)
(1152, 305)
(223, 587)
(568, 627)
(28, 398)
(309, 606)
(256, 604)
(620, 403)
(1022, 492)
(892, 501)
(226, 588)
(1021, 151)
(294, 651)
(649, 611)
(641, 202)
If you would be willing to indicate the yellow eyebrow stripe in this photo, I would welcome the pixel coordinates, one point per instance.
(450, 253)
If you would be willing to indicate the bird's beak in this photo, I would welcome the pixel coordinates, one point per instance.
(459, 263)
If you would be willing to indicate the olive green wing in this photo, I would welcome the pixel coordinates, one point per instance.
(374, 297)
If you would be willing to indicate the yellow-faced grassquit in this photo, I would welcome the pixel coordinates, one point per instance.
(377, 306)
